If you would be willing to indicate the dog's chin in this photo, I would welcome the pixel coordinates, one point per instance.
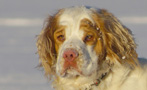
(75, 73)
(70, 73)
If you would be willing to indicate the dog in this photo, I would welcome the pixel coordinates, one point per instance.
(84, 48)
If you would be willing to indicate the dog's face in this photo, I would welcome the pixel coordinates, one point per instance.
(75, 41)
(79, 42)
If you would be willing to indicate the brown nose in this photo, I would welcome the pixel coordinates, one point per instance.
(70, 55)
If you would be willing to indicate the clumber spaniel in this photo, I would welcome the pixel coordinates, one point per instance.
(88, 49)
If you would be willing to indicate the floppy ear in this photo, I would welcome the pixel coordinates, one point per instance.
(117, 39)
(45, 46)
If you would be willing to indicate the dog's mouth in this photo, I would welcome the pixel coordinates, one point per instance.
(73, 63)
(70, 68)
(75, 68)
(70, 72)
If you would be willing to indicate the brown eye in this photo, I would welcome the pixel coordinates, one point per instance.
(88, 38)
(61, 38)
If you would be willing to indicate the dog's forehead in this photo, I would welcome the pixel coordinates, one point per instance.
(71, 18)
(74, 15)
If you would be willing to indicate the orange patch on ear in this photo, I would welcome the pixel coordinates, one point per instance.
(46, 45)
(117, 40)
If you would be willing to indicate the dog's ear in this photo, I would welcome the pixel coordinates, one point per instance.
(46, 48)
(117, 39)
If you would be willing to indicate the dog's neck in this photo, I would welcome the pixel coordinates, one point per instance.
(76, 83)
(92, 82)
(80, 83)
(84, 82)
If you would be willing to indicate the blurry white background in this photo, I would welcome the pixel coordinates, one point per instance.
(22, 20)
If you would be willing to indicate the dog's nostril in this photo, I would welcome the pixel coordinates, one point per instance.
(66, 56)
(71, 56)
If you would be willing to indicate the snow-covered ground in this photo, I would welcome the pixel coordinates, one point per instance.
(21, 21)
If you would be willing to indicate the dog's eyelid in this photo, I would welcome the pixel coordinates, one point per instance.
(61, 37)
(59, 30)
(88, 38)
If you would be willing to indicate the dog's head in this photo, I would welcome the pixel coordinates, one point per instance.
(79, 41)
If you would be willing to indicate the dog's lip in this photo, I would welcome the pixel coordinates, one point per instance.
(70, 65)
(65, 72)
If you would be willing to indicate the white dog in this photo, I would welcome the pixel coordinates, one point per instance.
(87, 49)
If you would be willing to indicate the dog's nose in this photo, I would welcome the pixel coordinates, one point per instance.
(70, 55)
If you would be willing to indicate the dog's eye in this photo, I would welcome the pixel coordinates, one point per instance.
(88, 38)
(61, 38)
